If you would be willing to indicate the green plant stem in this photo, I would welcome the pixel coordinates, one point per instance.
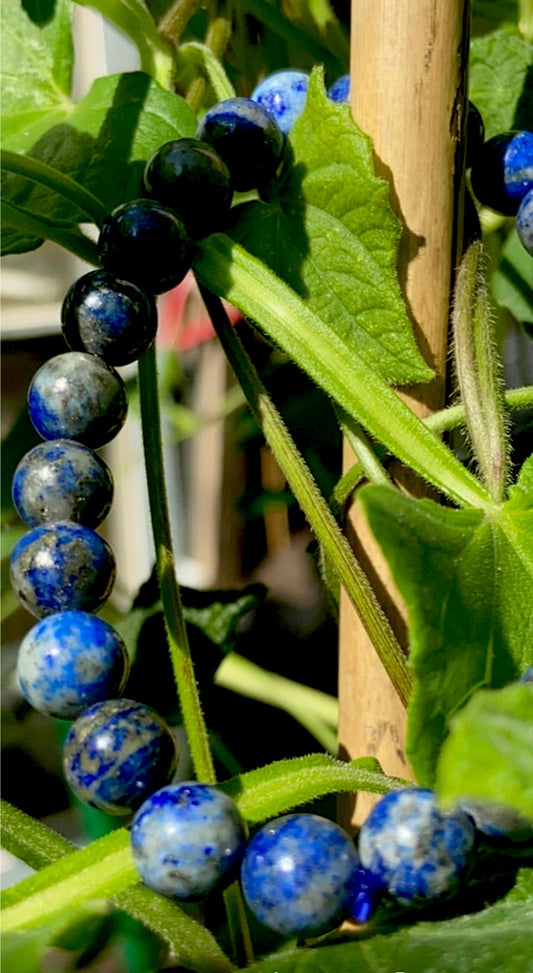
(174, 22)
(443, 421)
(65, 236)
(314, 709)
(479, 372)
(45, 175)
(311, 501)
(180, 653)
(358, 440)
(216, 40)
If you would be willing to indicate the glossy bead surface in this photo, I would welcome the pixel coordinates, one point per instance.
(62, 480)
(77, 396)
(117, 753)
(187, 839)
(62, 566)
(108, 317)
(146, 243)
(416, 850)
(69, 661)
(246, 137)
(283, 95)
(524, 222)
(498, 821)
(503, 171)
(296, 872)
(339, 91)
(190, 178)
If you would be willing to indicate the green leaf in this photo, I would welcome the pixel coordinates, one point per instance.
(499, 938)
(487, 15)
(285, 784)
(229, 271)
(37, 59)
(132, 17)
(327, 229)
(501, 83)
(24, 951)
(489, 751)
(103, 145)
(217, 613)
(467, 580)
(511, 281)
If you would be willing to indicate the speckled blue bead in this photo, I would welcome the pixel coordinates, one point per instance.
(62, 480)
(498, 821)
(246, 137)
(527, 676)
(77, 396)
(62, 566)
(145, 242)
(339, 91)
(502, 173)
(117, 753)
(70, 660)
(283, 95)
(296, 872)
(108, 317)
(187, 839)
(524, 222)
(416, 850)
(364, 892)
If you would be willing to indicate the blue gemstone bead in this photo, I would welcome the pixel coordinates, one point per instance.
(413, 848)
(62, 480)
(527, 676)
(364, 891)
(190, 178)
(117, 753)
(524, 222)
(108, 317)
(339, 91)
(498, 821)
(145, 242)
(187, 839)
(246, 137)
(296, 874)
(283, 95)
(502, 174)
(70, 660)
(77, 396)
(62, 566)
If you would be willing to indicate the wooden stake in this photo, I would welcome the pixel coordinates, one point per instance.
(408, 94)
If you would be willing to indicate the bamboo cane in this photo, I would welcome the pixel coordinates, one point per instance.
(408, 93)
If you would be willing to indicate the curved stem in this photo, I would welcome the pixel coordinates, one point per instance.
(45, 175)
(311, 501)
(180, 653)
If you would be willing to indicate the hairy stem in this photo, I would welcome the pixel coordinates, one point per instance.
(180, 653)
(311, 501)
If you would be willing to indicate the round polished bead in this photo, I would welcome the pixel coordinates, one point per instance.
(187, 839)
(70, 660)
(498, 821)
(77, 396)
(145, 242)
(415, 850)
(475, 134)
(246, 137)
(62, 480)
(283, 95)
(190, 178)
(108, 317)
(296, 874)
(117, 753)
(339, 91)
(502, 173)
(62, 566)
(524, 222)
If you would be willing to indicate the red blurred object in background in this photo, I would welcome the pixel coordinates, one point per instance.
(183, 319)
